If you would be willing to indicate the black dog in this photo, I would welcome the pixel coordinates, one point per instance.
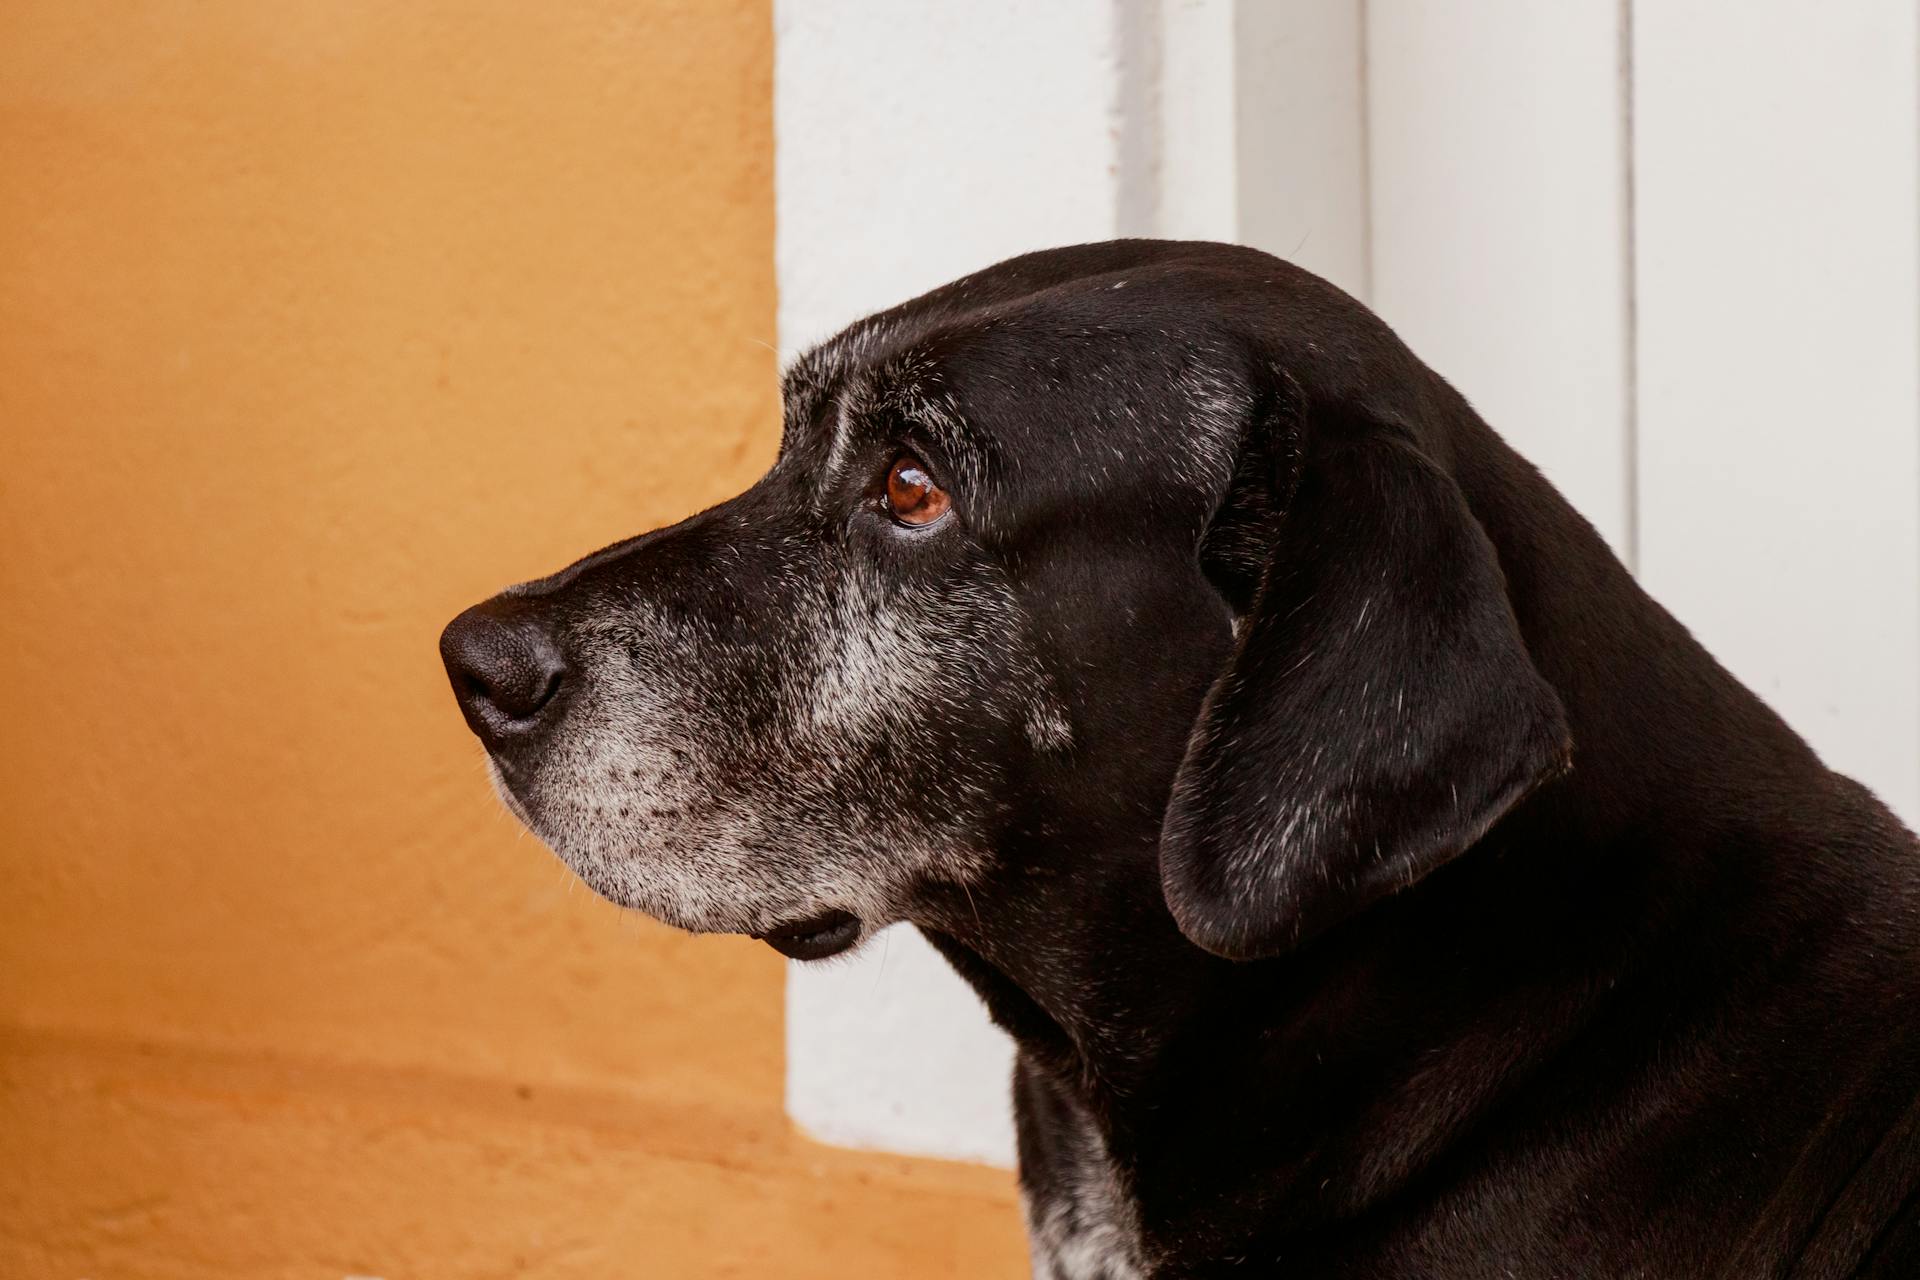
(1377, 883)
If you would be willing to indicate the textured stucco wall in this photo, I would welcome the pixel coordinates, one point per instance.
(322, 321)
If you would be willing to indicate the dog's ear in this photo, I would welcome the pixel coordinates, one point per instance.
(1379, 711)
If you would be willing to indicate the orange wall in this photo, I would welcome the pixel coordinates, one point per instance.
(322, 321)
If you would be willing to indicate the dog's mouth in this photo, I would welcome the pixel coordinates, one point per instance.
(815, 938)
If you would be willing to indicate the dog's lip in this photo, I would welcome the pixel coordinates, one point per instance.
(816, 937)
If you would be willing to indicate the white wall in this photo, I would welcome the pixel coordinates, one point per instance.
(1670, 250)
(1779, 356)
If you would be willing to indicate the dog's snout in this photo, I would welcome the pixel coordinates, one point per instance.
(506, 670)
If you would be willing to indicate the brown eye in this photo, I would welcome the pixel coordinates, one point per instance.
(912, 496)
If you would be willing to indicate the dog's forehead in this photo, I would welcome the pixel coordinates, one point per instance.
(876, 365)
(1105, 383)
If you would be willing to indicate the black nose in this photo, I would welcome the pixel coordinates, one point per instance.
(505, 670)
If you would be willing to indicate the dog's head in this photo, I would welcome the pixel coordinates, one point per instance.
(1130, 543)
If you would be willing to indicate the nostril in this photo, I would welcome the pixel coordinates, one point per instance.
(500, 695)
(545, 694)
(505, 670)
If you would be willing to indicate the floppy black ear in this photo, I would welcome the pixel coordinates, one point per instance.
(1379, 712)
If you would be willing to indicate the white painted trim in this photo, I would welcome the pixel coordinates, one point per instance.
(1501, 226)
(1199, 173)
(1263, 131)
(1300, 146)
(1777, 199)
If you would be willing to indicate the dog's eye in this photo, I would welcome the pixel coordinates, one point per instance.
(912, 496)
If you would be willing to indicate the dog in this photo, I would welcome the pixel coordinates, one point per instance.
(1375, 881)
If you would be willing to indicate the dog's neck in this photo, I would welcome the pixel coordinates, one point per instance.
(1088, 973)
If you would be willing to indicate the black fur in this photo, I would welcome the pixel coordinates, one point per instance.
(1503, 933)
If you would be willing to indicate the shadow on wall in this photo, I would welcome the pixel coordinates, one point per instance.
(324, 322)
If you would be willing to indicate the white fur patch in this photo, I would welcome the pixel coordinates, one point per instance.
(1090, 1235)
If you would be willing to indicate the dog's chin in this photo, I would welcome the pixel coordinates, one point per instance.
(796, 931)
(815, 935)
